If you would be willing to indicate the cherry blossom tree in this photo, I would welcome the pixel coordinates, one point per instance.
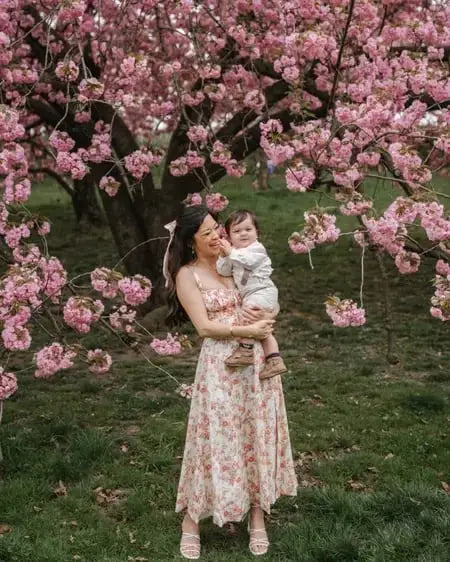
(150, 101)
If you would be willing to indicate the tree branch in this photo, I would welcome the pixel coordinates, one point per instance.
(62, 181)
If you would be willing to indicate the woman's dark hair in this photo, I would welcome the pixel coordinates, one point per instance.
(180, 253)
(237, 217)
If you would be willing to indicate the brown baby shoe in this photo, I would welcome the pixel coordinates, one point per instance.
(241, 357)
(274, 366)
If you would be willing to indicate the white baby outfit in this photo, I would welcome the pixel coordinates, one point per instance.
(251, 269)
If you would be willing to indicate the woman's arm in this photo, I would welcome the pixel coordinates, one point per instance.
(253, 313)
(191, 300)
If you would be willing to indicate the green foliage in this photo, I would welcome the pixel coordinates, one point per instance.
(371, 439)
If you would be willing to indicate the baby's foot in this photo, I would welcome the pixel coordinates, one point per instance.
(274, 366)
(242, 357)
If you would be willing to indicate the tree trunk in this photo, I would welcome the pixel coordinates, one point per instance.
(85, 203)
(262, 173)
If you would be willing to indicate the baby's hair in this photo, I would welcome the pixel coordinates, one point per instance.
(237, 217)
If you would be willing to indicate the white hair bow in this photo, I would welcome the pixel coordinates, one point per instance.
(171, 228)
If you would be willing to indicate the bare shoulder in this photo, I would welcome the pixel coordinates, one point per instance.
(184, 277)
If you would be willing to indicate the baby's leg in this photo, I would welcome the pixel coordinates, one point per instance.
(243, 355)
(270, 346)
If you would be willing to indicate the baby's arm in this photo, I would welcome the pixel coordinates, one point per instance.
(224, 266)
(250, 257)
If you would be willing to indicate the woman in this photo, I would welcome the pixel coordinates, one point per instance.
(237, 457)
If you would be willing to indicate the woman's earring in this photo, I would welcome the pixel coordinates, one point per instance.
(192, 251)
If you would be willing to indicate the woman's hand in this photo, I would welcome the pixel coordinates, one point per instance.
(260, 330)
(252, 313)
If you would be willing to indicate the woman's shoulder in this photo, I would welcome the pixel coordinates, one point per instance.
(185, 275)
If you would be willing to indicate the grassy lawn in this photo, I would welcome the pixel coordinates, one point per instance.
(91, 465)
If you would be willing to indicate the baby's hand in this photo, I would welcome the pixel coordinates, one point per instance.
(225, 247)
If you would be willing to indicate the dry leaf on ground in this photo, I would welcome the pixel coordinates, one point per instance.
(105, 496)
(60, 489)
(4, 528)
(358, 486)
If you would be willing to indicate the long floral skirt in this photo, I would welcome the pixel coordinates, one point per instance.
(237, 451)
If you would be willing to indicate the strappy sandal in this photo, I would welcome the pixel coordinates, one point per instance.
(191, 549)
(257, 545)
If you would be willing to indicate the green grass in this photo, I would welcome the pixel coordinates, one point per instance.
(370, 438)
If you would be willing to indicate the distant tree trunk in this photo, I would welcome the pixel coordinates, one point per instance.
(262, 173)
(85, 203)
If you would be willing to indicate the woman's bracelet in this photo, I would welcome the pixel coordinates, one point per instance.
(231, 332)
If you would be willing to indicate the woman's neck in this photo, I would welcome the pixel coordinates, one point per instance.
(207, 262)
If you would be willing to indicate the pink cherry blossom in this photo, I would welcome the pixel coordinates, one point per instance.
(318, 228)
(67, 70)
(110, 185)
(442, 268)
(169, 346)
(105, 281)
(407, 262)
(54, 277)
(185, 390)
(90, 89)
(344, 312)
(135, 290)
(81, 312)
(440, 301)
(8, 384)
(99, 361)
(216, 202)
(299, 178)
(198, 134)
(193, 199)
(122, 319)
(16, 338)
(53, 358)
(71, 163)
(139, 163)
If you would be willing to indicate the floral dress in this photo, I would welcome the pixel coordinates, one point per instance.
(237, 450)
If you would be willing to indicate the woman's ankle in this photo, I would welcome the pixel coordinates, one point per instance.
(188, 525)
(256, 515)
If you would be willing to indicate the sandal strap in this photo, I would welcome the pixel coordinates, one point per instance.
(190, 535)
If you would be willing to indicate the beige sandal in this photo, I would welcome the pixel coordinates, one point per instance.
(190, 549)
(259, 543)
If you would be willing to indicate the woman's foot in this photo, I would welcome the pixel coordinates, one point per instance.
(259, 543)
(190, 539)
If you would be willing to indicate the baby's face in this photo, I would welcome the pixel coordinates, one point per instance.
(243, 234)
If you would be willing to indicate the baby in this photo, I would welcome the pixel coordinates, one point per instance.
(247, 261)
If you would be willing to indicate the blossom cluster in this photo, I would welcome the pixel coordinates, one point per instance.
(171, 345)
(8, 384)
(318, 228)
(81, 312)
(53, 358)
(99, 361)
(215, 202)
(440, 301)
(109, 283)
(344, 312)
(185, 390)
(140, 162)
(185, 164)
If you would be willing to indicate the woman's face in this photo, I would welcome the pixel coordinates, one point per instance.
(206, 239)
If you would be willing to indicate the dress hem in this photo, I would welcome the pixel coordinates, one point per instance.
(221, 522)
